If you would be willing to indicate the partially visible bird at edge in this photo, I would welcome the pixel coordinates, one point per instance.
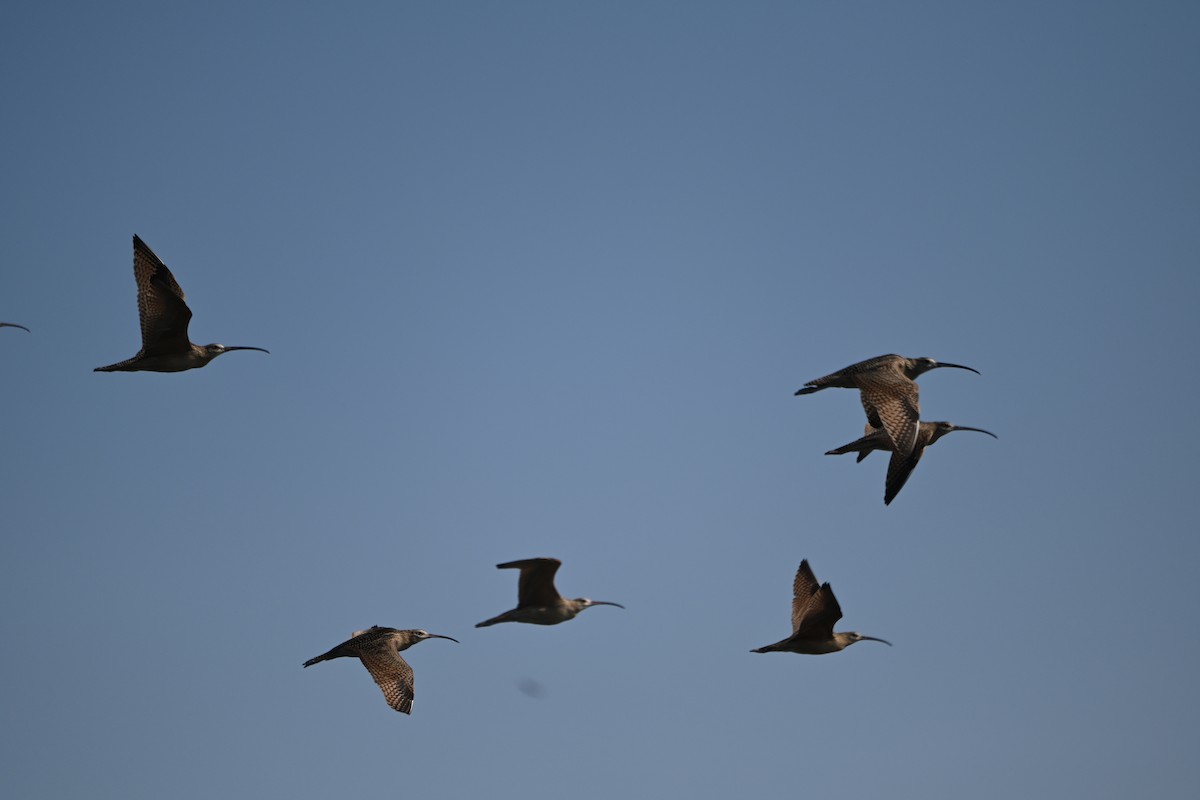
(814, 612)
(538, 602)
(900, 467)
(888, 392)
(164, 317)
(379, 649)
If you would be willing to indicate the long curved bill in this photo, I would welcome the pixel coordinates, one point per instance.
(875, 639)
(259, 349)
(977, 430)
(439, 636)
(605, 603)
(959, 366)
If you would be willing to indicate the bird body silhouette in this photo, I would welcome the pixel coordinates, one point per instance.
(814, 612)
(538, 602)
(379, 650)
(888, 392)
(900, 467)
(164, 317)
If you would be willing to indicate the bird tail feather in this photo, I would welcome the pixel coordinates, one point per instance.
(320, 658)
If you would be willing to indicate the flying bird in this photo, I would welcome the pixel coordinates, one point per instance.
(888, 392)
(165, 317)
(538, 602)
(379, 650)
(814, 612)
(899, 468)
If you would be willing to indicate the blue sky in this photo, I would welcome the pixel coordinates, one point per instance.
(540, 279)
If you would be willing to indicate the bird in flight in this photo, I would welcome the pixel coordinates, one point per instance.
(538, 602)
(165, 316)
(379, 649)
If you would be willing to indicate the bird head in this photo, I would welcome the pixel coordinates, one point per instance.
(586, 603)
(214, 350)
(420, 636)
(855, 636)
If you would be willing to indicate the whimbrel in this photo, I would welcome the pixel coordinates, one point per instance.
(13, 325)
(814, 612)
(888, 392)
(538, 602)
(379, 650)
(900, 467)
(165, 317)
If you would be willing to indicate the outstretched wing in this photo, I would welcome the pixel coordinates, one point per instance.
(536, 585)
(893, 403)
(391, 672)
(161, 307)
(899, 469)
(820, 616)
(804, 588)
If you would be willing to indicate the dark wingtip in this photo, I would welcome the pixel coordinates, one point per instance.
(805, 390)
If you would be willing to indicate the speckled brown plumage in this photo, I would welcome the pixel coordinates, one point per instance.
(164, 316)
(378, 649)
(889, 393)
(815, 611)
(900, 467)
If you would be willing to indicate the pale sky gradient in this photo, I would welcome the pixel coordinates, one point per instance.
(540, 278)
